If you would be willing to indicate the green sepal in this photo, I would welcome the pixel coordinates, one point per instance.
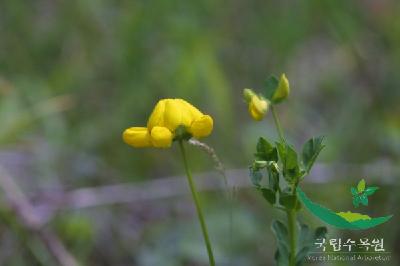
(181, 133)
(266, 151)
(311, 150)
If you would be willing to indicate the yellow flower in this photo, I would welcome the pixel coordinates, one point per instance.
(168, 115)
(283, 90)
(258, 105)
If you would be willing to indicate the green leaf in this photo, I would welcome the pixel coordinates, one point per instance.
(282, 256)
(269, 195)
(281, 147)
(364, 199)
(301, 255)
(255, 176)
(291, 170)
(311, 150)
(280, 231)
(288, 201)
(270, 86)
(306, 241)
(291, 158)
(304, 236)
(370, 190)
(354, 191)
(361, 186)
(266, 151)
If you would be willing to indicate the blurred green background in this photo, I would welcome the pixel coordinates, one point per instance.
(74, 74)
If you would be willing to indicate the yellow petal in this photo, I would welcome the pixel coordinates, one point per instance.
(157, 116)
(201, 127)
(161, 137)
(193, 111)
(137, 137)
(186, 115)
(258, 107)
(283, 90)
(255, 114)
(172, 115)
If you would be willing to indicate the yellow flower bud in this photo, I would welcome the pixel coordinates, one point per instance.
(258, 107)
(161, 137)
(201, 127)
(137, 137)
(283, 90)
(248, 94)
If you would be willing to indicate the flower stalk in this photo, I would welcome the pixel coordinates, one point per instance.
(291, 214)
(197, 204)
(278, 124)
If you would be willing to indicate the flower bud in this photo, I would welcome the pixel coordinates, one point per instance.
(258, 107)
(248, 94)
(283, 90)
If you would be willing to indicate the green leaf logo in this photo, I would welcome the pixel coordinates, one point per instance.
(361, 186)
(361, 193)
(342, 220)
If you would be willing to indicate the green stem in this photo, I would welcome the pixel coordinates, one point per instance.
(291, 215)
(198, 206)
(277, 124)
